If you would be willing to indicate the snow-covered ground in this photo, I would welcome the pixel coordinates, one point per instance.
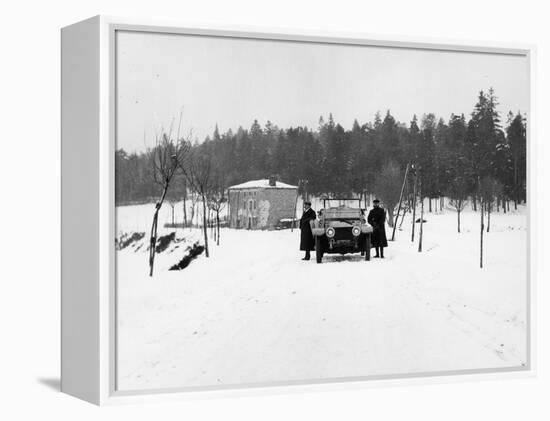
(254, 312)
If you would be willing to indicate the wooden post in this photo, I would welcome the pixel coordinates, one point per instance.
(400, 199)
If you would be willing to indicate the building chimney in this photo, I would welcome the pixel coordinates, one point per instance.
(273, 180)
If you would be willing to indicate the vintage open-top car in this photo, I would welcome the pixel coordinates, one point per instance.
(341, 229)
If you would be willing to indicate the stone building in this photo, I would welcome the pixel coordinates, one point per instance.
(261, 204)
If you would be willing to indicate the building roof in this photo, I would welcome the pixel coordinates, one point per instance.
(263, 184)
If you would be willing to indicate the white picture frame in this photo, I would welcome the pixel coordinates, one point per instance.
(88, 342)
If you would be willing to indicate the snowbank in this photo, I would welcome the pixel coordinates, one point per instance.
(254, 312)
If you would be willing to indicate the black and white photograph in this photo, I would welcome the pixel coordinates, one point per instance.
(302, 211)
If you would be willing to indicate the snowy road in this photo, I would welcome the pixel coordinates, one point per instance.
(254, 312)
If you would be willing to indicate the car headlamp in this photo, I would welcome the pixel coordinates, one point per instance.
(356, 230)
(330, 232)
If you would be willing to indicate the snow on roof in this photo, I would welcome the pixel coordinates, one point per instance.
(264, 184)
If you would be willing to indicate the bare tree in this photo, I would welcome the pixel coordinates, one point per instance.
(484, 190)
(198, 171)
(458, 196)
(172, 204)
(496, 191)
(194, 198)
(166, 157)
(217, 202)
(481, 236)
(177, 193)
(421, 231)
(406, 208)
(184, 199)
(490, 191)
(413, 203)
(388, 187)
(172, 198)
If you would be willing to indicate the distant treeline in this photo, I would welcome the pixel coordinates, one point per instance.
(454, 158)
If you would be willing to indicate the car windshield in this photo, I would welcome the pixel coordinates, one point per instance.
(344, 214)
(342, 210)
(342, 203)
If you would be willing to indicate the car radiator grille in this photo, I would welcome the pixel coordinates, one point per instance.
(343, 234)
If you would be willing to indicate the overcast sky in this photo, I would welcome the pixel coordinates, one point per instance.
(231, 82)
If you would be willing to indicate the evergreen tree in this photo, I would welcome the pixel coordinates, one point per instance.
(517, 144)
(452, 156)
(426, 158)
(389, 140)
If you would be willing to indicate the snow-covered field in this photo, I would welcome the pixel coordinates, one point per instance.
(254, 312)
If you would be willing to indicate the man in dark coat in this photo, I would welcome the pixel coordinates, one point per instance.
(377, 218)
(306, 236)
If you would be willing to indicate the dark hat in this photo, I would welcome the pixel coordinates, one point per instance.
(376, 201)
(307, 202)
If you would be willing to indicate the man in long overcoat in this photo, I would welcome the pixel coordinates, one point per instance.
(377, 218)
(307, 242)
